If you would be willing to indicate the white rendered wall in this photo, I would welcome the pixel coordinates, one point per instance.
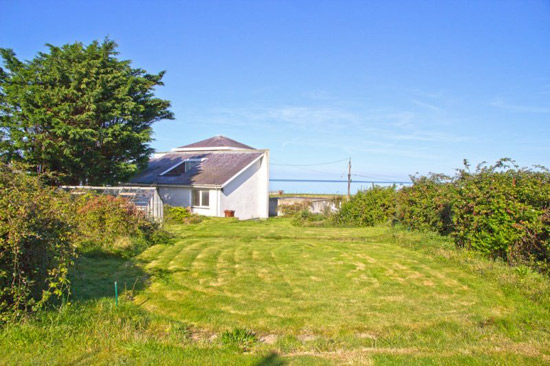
(212, 209)
(181, 197)
(248, 193)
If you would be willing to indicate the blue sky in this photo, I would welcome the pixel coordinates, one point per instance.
(399, 86)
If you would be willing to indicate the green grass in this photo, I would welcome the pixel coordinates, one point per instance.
(268, 293)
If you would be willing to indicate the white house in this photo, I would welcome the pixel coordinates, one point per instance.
(212, 176)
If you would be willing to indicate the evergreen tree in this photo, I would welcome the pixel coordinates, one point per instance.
(78, 112)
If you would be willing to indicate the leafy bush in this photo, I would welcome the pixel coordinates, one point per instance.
(114, 225)
(427, 204)
(368, 208)
(500, 210)
(504, 211)
(36, 249)
(180, 215)
(301, 214)
(307, 218)
(41, 229)
(294, 208)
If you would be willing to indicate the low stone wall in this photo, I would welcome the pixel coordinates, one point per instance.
(316, 205)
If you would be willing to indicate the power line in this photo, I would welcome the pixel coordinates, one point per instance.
(327, 163)
(318, 171)
(335, 181)
(380, 177)
(377, 178)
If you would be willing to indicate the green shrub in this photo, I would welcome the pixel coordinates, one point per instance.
(504, 211)
(36, 249)
(307, 218)
(295, 208)
(302, 216)
(180, 215)
(427, 204)
(368, 208)
(500, 210)
(114, 225)
(41, 229)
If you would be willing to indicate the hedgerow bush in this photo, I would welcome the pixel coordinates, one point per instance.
(504, 211)
(427, 204)
(180, 215)
(500, 210)
(42, 229)
(367, 208)
(113, 225)
(36, 243)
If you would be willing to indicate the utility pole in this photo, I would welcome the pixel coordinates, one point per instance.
(349, 179)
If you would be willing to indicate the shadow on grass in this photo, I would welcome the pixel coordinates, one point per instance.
(273, 359)
(94, 274)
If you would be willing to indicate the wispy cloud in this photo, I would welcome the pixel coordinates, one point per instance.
(351, 131)
(373, 146)
(407, 126)
(402, 120)
(431, 136)
(426, 105)
(289, 142)
(304, 117)
(318, 117)
(499, 103)
(321, 95)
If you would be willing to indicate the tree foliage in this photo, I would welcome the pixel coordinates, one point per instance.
(78, 111)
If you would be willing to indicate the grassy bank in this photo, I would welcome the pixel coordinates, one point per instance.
(311, 296)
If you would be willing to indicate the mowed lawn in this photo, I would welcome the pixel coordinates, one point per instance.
(312, 296)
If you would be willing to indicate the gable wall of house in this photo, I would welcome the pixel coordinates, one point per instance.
(248, 194)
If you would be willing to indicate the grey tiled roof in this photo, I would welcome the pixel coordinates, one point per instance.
(217, 141)
(217, 169)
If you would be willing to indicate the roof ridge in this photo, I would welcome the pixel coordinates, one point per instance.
(216, 142)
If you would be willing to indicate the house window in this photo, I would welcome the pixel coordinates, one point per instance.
(201, 198)
(191, 164)
(181, 168)
(174, 171)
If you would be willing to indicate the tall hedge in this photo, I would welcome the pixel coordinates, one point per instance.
(367, 208)
(113, 225)
(36, 247)
(501, 210)
(427, 204)
(504, 211)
